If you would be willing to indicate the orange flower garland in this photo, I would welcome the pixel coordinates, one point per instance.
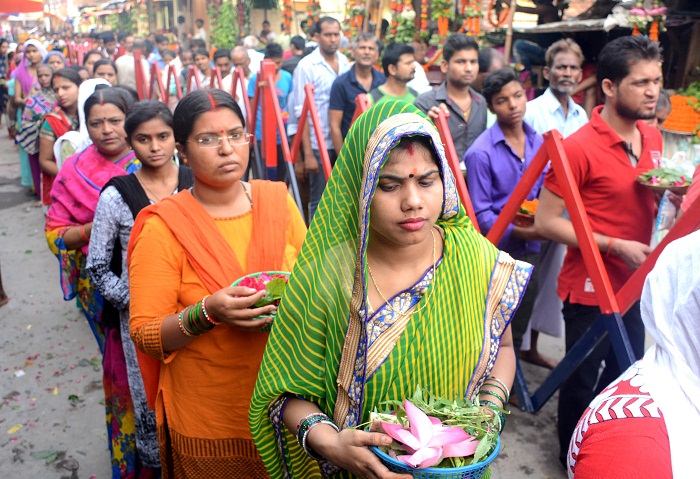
(287, 14)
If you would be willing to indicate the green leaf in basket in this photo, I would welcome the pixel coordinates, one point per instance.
(485, 447)
(275, 288)
(264, 301)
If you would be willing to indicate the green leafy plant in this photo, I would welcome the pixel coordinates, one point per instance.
(405, 27)
(224, 32)
(664, 177)
(125, 21)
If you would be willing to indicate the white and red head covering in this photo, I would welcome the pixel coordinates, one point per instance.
(671, 313)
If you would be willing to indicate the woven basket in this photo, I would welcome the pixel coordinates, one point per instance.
(474, 471)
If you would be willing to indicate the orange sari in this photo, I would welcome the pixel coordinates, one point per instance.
(201, 393)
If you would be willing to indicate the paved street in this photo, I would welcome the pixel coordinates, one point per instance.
(51, 414)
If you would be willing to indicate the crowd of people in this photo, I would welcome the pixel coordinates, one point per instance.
(153, 212)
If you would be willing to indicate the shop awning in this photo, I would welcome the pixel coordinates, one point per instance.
(21, 6)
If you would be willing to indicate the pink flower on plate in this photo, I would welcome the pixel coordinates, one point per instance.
(251, 282)
(427, 440)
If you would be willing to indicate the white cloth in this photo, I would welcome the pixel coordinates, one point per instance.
(546, 314)
(313, 69)
(671, 313)
(255, 59)
(226, 84)
(201, 34)
(545, 113)
(126, 70)
(38, 45)
(77, 141)
(420, 81)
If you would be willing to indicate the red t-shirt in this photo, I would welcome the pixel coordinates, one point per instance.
(621, 435)
(616, 204)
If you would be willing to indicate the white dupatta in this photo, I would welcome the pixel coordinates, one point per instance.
(671, 368)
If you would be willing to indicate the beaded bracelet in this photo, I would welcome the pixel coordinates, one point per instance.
(496, 409)
(180, 325)
(497, 383)
(308, 423)
(206, 315)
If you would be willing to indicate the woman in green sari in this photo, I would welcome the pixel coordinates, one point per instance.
(380, 303)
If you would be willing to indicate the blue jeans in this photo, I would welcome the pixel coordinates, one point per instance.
(317, 183)
(587, 381)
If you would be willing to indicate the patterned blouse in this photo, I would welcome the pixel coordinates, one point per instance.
(113, 220)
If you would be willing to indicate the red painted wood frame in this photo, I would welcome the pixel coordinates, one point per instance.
(553, 151)
(273, 124)
(309, 110)
(631, 291)
(453, 161)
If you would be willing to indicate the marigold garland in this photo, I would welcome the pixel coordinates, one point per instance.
(287, 15)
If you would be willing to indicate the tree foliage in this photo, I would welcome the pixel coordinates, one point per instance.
(224, 32)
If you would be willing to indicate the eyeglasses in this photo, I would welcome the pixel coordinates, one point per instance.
(211, 140)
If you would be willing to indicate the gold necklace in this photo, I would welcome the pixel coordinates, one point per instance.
(245, 190)
(386, 301)
(156, 198)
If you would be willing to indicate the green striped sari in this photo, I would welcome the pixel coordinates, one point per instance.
(324, 345)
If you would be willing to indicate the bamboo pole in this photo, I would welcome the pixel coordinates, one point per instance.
(365, 20)
(509, 31)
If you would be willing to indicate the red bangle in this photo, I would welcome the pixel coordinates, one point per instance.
(83, 234)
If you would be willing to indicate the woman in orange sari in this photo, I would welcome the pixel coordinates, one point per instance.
(184, 254)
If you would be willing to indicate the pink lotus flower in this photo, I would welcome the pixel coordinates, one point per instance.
(656, 11)
(427, 440)
(251, 282)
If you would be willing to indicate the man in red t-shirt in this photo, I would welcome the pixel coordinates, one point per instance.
(606, 156)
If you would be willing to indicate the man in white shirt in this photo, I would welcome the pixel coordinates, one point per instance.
(420, 83)
(251, 44)
(200, 32)
(239, 58)
(126, 74)
(553, 110)
(320, 68)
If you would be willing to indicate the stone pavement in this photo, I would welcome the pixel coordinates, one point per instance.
(51, 411)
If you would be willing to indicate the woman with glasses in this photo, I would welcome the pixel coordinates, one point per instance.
(201, 339)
